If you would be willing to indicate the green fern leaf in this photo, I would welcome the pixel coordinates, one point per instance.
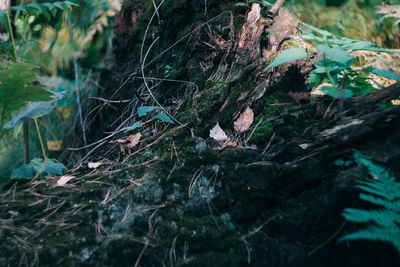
(382, 224)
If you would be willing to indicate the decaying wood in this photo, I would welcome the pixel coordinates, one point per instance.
(372, 100)
(361, 104)
(258, 41)
(249, 39)
(275, 8)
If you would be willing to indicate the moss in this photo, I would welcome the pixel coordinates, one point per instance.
(209, 83)
(232, 104)
(207, 104)
(292, 43)
(249, 68)
(263, 131)
(220, 89)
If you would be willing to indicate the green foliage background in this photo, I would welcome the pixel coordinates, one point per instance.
(50, 39)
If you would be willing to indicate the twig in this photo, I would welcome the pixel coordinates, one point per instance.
(110, 101)
(154, 142)
(327, 241)
(252, 132)
(269, 144)
(78, 98)
(147, 29)
(253, 232)
(147, 239)
(156, 11)
(171, 171)
(195, 177)
(147, 86)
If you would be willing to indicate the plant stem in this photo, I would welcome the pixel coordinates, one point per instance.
(26, 142)
(11, 34)
(40, 139)
(26, 126)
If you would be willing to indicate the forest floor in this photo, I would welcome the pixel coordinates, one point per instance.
(270, 194)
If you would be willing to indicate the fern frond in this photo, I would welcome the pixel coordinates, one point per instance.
(375, 233)
(381, 202)
(379, 217)
(383, 191)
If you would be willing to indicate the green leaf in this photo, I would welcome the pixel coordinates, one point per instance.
(379, 49)
(339, 162)
(25, 171)
(37, 165)
(288, 55)
(336, 93)
(314, 34)
(240, 4)
(324, 33)
(35, 110)
(164, 117)
(137, 124)
(384, 73)
(314, 78)
(16, 89)
(142, 111)
(336, 54)
(52, 167)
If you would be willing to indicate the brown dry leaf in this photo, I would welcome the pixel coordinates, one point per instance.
(64, 180)
(94, 165)
(134, 139)
(54, 145)
(244, 121)
(217, 133)
(396, 102)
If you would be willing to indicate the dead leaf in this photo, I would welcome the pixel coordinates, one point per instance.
(218, 134)
(244, 121)
(94, 165)
(396, 102)
(304, 146)
(54, 145)
(134, 139)
(64, 180)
